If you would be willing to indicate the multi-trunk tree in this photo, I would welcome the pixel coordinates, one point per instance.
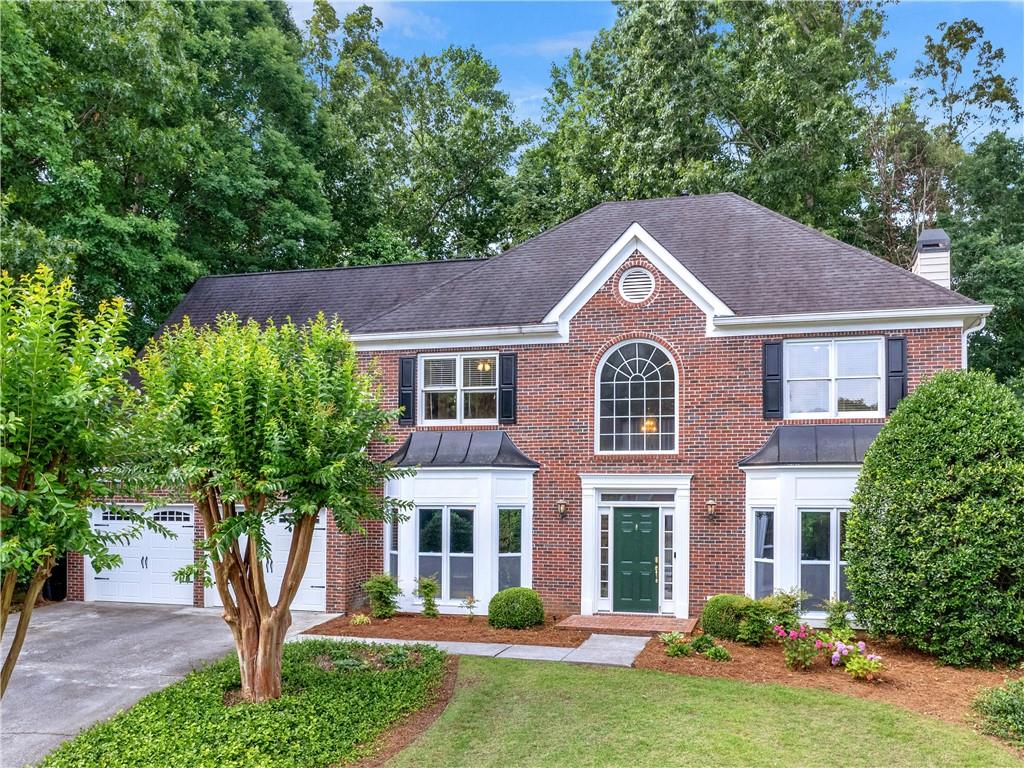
(255, 423)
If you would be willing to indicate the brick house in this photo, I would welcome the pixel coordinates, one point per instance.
(651, 403)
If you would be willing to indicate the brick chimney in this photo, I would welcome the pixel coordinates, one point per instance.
(931, 257)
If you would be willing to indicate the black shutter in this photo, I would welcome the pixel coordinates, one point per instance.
(507, 388)
(407, 390)
(771, 379)
(895, 371)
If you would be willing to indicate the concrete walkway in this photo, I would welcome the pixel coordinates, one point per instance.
(608, 650)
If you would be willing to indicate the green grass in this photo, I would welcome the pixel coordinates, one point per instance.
(324, 716)
(518, 713)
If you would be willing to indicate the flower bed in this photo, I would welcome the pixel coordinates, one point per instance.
(910, 679)
(415, 626)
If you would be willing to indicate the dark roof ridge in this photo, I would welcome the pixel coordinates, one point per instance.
(847, 246)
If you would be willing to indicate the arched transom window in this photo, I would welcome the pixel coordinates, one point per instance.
(636, 409)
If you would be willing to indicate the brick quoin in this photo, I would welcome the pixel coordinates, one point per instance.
(719, 423)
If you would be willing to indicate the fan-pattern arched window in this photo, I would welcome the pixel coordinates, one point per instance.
(637, 399)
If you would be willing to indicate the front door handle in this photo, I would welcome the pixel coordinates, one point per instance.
(655, 569)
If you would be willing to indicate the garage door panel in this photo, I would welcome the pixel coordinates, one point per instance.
(146, 574)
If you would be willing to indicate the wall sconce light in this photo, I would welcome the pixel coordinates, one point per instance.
(709, 508)
(563, 509)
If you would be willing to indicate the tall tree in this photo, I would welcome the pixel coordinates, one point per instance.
(255, 423)
(62, 419)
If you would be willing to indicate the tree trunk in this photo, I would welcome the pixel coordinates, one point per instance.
(34, 588)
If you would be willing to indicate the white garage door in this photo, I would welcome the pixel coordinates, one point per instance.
(146, 574)
(312, 594)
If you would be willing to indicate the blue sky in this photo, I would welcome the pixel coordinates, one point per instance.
(524, 38)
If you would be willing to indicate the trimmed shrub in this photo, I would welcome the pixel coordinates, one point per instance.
(723, 614)
(383, 592)
(427, 590)
(1002, 711)
(756, 626)
(515, 608)
(933, 538)
(783, 608)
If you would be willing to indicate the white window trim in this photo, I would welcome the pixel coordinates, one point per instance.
(833, 562)
(597, 401)
(832, 377)
(459, 389)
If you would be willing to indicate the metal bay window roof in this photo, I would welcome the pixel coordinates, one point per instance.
(815, 444)
(460, 448)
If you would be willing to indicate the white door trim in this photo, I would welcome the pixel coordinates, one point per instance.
(591, 486)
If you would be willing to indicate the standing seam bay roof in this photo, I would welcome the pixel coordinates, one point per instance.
(756, 261)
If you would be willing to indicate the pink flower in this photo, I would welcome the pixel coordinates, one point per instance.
(861, 646)
(792, 634)
(818, 644)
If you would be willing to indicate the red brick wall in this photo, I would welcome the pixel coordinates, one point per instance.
(719, 424)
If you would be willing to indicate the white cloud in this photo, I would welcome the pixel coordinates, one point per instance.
(548, 46)
(402, 18)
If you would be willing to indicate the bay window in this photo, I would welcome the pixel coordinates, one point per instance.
(832, 378)
(822, 549)
(510, 547)
(764, 552)
(445, 549)
(459, 389)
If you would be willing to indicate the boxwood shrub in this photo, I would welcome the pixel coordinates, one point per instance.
(336, 699)
(935, 536)
(515, 608)
(723, 615)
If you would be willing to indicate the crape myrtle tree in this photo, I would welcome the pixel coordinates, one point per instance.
(63, 397)
(934, 536)
(255, 422)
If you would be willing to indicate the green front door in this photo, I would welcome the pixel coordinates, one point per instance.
(635, 548)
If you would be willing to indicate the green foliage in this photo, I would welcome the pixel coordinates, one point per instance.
(676, 644)
(784, 607)
(1002, 711)
(723, 614)
(718, 653)
(701, 643)
(360, 620)
(933, 537)
(333, 707)
(382, 590)
(63, 419)
(427, 589)
(800, 646)
(756, 626)
(515, 608)
(837, 618)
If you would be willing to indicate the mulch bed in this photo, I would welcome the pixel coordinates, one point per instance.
(405, 732)
(910, 679)
(414, 626)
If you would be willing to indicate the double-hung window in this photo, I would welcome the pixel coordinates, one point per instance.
(764, 551)
(833, 378)
(510, 547)
(822, 556)
(459, 389)
(391, 533)
(445, 549)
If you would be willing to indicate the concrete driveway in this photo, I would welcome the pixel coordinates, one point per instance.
(83, 662)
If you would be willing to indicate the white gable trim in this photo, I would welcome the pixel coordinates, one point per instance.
(635, 238)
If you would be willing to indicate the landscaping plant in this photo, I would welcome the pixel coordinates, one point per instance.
(756, 626)
(469, 604)
(427, 590)
(837, 619)
(515, 608)
(676, 644)
(718, 653)
(359, 620)
(800, 647)
(382, 590)
(62, 418)
(933, 538)
(723, 614)
(702, 643)
(1002, 711)
(257, 422)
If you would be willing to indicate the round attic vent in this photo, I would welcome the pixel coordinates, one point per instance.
(636, 285)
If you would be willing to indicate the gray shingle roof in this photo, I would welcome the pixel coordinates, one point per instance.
(756, 261)
(475, 448)
(815, 444)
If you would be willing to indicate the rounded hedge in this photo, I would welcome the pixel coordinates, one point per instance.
(515, 608)
(935, 536)
(723, 615)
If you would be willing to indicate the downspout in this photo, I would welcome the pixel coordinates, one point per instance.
(967, 332)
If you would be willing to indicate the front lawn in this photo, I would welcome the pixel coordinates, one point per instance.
(521, 713)
(338, 697)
